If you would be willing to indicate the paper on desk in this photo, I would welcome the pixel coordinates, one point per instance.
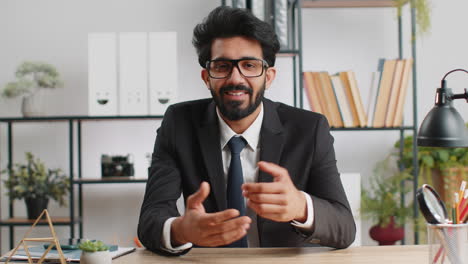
(70, 255)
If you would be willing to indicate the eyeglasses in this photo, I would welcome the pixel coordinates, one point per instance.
(220, 69)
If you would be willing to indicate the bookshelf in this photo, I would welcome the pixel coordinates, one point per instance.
(347, 3)
(75, 215)
(412, 127)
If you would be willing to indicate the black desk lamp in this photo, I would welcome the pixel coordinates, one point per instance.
(443, 126)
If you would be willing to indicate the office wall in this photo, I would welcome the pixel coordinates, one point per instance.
(56, 32)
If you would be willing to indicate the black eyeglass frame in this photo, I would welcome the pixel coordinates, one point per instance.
(235, 63)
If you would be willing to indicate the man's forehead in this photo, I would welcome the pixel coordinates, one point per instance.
(235, 48)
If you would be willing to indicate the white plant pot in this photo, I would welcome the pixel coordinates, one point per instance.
(98, 257)
(34, 104)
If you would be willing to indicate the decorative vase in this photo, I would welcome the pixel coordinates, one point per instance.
(387, 235)
(98, 257)
(35, 206)
(34, 104)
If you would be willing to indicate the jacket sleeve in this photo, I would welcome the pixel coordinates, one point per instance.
(162, 189)
(333, 220)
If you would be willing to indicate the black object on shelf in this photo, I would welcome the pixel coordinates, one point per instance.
(116, 166)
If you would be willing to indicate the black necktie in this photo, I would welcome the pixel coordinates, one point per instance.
(235, 199)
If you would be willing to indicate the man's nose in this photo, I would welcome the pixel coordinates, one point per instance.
(236, 76)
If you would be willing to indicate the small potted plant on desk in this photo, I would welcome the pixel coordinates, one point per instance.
(382, 204)
(94, 252)
(34, 183)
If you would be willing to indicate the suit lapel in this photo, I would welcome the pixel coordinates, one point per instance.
(271, 138)
(271, 147)
(208, 136)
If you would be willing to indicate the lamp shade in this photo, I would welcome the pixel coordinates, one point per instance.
(443, 126)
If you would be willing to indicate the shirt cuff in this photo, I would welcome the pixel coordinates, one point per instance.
(307, 225)
(166, 238)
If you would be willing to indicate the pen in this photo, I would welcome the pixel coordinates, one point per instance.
(455, 214)
(462, 189)
(462, 205)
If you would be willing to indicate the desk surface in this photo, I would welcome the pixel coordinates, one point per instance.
(361, 255)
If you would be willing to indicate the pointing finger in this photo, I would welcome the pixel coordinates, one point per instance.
(279, 173)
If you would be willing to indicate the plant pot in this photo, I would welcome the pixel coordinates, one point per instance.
(387, 235)
(98, 257)
(34, 104)
(35, 206)
(447, 181)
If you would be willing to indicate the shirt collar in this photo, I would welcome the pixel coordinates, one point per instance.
(251, 135)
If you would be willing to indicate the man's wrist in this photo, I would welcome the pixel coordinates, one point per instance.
(302, 212)
(177, 237)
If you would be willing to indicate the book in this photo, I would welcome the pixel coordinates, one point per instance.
(357, 98)
(371, 100)
(384, 93)
(71, 255)
(342, 100)
(312, 93)
(349, 96)
(330, 99)
(398, 120)
(394, 91)
(321, 96)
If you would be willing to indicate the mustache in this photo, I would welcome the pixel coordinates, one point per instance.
(238, 87)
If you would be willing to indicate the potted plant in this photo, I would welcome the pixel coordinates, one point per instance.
(32, 78)
(381, 203)
(36, 184)
(423, 13)
(94, 252)
(442, 168)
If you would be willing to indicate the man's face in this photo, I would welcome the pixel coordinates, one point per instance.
(237, 96)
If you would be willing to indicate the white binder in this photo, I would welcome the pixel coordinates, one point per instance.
(162, 71)
(133, 73)
(102, 74)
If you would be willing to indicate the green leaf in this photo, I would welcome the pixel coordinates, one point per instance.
(443, 155)
(93, 246)
(428, 160)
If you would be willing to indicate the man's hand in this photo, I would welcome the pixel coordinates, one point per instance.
(279, 200)
(207, 229)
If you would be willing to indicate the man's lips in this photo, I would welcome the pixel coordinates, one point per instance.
(236, 95)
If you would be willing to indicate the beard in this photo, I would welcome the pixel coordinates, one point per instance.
(232, 110)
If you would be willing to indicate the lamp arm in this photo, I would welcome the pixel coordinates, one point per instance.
(449, 95)
(460, 96)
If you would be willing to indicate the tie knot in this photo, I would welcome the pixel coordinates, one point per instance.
(236, 144)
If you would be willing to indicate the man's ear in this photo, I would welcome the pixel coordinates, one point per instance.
(270, 76)
(205, 77)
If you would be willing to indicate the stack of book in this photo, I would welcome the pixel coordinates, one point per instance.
(389, 93)
(338, 97)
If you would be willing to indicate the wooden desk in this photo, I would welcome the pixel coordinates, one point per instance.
(362, 255)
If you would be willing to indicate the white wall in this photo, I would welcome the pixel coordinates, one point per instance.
(333, 39)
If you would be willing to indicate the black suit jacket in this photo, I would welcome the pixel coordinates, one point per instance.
(187, 151)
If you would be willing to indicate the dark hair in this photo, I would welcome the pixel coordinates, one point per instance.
(225, 22)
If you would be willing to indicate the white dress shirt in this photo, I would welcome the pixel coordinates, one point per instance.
(249, 156)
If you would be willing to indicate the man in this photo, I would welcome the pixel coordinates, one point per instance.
(253, 172)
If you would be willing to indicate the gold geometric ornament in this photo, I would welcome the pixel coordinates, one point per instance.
(52, 240)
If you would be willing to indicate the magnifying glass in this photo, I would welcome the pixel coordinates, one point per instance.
(435, 212)
(431, 206)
